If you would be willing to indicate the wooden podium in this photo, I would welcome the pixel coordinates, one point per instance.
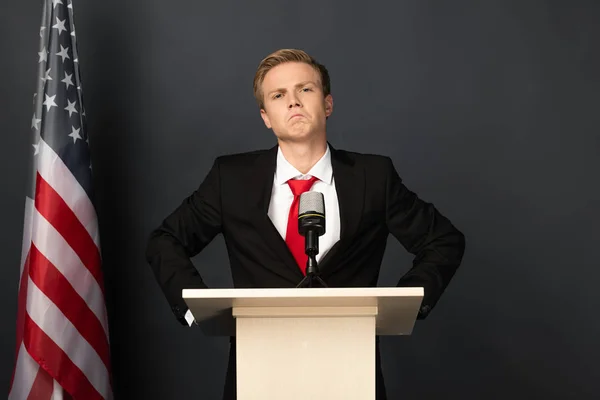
(305, 343)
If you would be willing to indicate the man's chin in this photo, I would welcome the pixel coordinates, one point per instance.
(297, 137)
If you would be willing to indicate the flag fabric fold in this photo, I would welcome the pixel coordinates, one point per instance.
(62, 337)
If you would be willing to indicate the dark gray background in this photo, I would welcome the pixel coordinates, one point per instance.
(488, 109)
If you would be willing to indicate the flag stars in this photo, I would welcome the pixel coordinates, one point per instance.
(75, 134)
(49, 102)
(68, 80)
(35, 122)
(36, 148)
(43, 55)
(56, 2)
(63, 53)
(60, 25)
(71, 107)
(47, 77)
(41, 31)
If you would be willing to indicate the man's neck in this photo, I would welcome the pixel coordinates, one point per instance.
(303, 156)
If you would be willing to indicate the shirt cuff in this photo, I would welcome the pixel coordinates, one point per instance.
(189, 317)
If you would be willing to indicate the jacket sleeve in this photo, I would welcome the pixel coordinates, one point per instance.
(437, 245)
(182, 235)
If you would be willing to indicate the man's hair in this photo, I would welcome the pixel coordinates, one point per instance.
(283, 56)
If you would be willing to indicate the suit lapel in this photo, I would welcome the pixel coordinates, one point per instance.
(267, 164)
(350, 188)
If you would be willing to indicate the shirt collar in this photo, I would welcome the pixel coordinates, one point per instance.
(285, 171)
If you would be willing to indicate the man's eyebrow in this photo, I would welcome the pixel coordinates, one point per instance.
(305, 83)
(297, 85)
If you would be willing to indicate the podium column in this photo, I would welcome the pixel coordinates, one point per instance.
(299, 353)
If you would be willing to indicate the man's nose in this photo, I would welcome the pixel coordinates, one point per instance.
(294, 101)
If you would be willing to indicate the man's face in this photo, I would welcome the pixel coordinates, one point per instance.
(295, 107)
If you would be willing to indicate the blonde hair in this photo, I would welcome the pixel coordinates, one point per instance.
(283, 56)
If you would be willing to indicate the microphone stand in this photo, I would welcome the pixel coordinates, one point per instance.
(312, 268)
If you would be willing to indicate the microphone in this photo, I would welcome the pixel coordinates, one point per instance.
(311, 220)
(311, 225)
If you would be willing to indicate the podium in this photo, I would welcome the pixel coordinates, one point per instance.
(305, 343)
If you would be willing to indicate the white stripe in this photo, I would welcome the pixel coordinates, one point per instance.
(25, 372)
(56, 173)
(26, 232)
(54, 324)
(57, 250)
(57, 393)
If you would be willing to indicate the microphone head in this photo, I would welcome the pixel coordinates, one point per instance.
(311, 213)
(311, 202)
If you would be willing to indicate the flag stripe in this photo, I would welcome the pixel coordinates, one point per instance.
(25, 372)
(56, 249)
(54, 285)
(42, 387)
(55, 172)
(27, 229)
(57, 212)
(63, 334)
(67, 396)
(22, 298)
(24, 273)
(53, 359)
(58, 393)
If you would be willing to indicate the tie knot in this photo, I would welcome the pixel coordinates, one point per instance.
(299, 186)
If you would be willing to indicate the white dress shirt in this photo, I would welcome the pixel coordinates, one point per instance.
(282, 197)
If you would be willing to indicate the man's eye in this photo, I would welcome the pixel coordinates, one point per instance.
(307, 89)
(277, 96)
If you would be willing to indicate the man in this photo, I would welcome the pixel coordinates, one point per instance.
(249, 199)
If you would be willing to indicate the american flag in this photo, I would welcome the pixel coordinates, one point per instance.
(62, 348)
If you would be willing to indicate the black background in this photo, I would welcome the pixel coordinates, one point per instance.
(488, 109)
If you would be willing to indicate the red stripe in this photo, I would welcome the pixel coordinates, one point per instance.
(54, 285)
(51, 357)
(43, 386)
(21, 303)
(49, 203)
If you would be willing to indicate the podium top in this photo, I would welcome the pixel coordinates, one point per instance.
(397, 307)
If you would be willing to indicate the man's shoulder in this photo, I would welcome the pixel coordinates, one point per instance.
(363, 158)
(242, 158)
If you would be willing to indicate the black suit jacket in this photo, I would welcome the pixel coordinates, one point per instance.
(234, 200)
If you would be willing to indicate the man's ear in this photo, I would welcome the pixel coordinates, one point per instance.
(265, 118)
(328, 105)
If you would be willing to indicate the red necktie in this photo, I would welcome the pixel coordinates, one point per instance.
(294, 240)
